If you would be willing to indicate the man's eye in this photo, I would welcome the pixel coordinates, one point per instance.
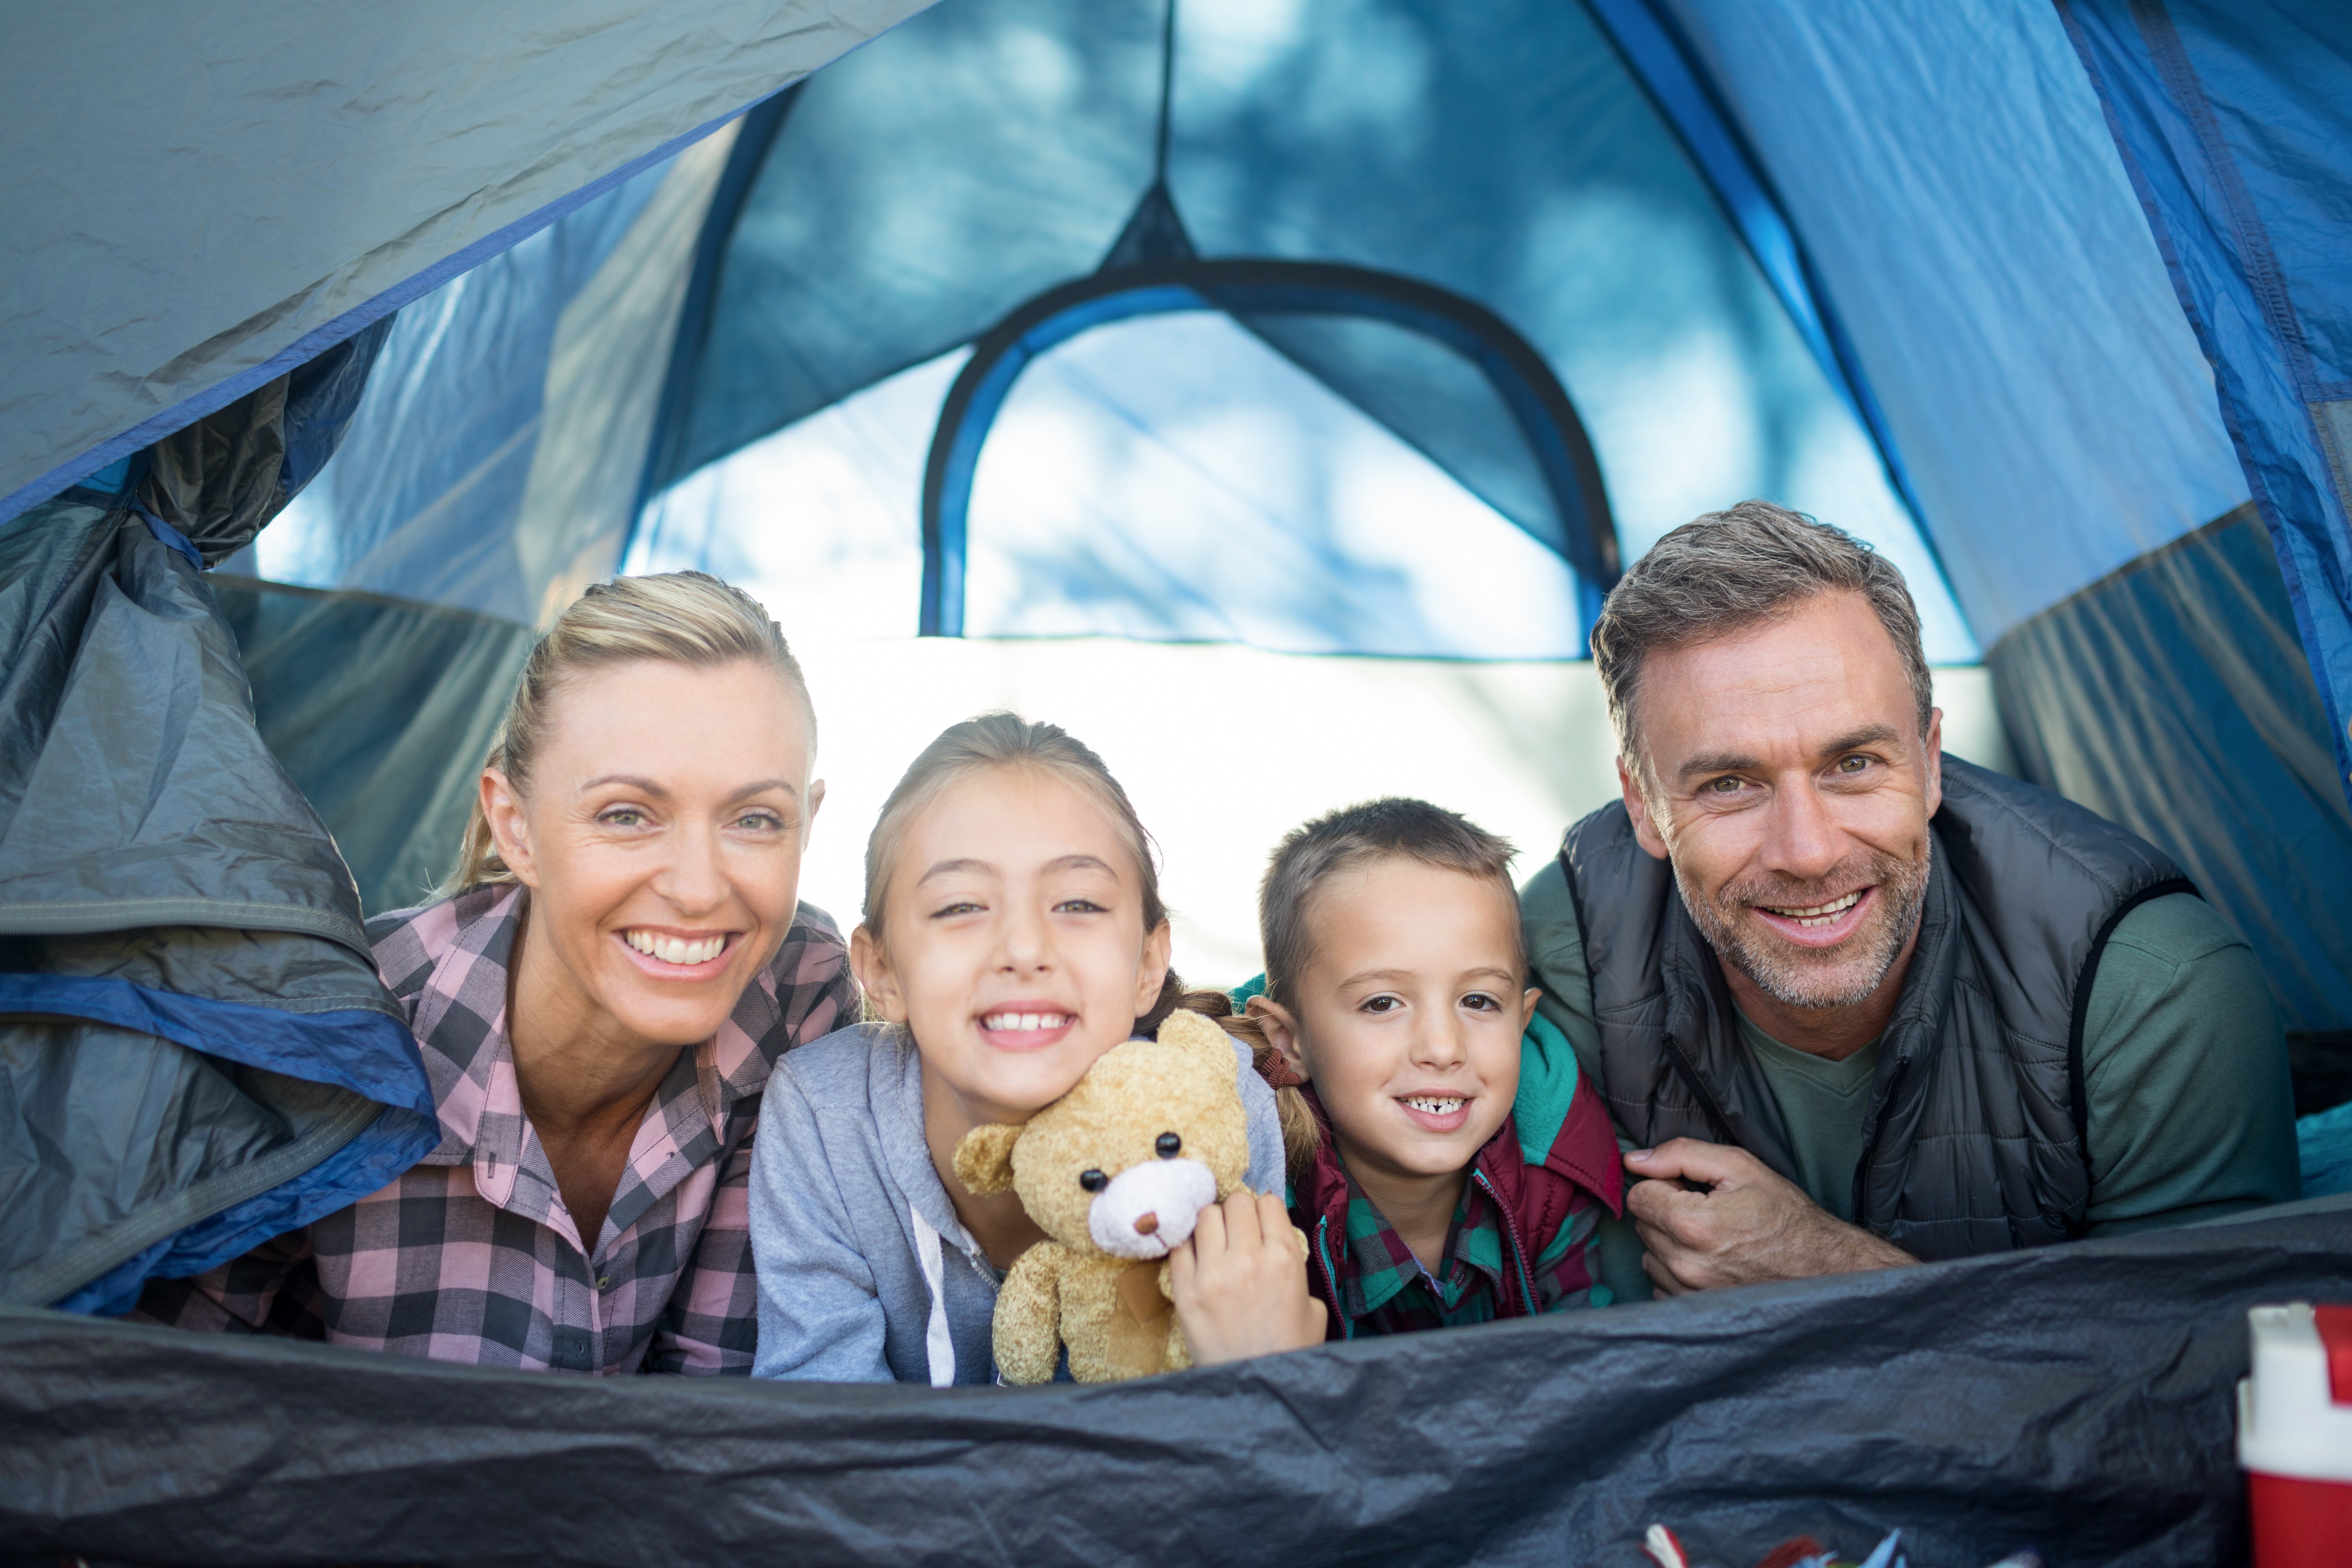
(1853, 765)
(1724, 786)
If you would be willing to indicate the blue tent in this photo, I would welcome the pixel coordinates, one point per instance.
(2045, 300)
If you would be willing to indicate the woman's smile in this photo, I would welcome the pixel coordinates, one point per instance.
(669, 955)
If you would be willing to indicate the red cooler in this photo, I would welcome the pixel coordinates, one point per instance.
(2295, 1435)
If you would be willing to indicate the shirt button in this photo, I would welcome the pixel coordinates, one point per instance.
(603, 1282)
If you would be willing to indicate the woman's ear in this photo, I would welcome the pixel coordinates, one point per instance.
(871, 967)
(1281, 1032)
(510, 826)
(1159, 946)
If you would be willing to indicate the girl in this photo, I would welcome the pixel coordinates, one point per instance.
(1014, 933)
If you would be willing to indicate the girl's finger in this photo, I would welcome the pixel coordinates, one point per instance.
(1180, 1266)
(1273, 1221)
(1242, 1227)
(1208, 1232)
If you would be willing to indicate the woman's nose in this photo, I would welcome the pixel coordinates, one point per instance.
(694, 879)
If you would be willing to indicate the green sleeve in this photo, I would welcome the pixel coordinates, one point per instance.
(1556, 959)
(2190, 1112)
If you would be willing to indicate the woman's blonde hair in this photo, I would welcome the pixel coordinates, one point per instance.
(675, 618)
(1009, 740)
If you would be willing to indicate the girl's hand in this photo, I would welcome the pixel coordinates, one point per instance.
(1239, 1283)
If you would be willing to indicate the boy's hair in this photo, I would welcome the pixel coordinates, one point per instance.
(1008, 741)
(1355, 836)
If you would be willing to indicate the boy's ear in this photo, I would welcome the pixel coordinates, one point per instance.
(872, 969)
(1281, 1032)
(983, 1159)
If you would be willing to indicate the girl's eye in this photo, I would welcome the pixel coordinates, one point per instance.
(1479, 1001)
(1382, 1004)
(960, 907)
(1078, 906)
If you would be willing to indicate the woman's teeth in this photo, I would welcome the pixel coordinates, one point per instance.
(1435, 1104)
(1820, 914)
(675, 949)
(1022, 1023)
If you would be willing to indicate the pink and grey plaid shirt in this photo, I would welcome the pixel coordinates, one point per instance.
(471, 1256)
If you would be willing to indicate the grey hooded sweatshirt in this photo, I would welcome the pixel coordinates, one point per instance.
(866, 1274)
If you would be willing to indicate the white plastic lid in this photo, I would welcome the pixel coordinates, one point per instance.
(2289, 1423)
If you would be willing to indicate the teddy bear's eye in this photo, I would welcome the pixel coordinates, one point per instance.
(1093, 1181)
(1167, 1144)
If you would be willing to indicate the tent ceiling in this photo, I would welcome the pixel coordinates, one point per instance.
(222, 191)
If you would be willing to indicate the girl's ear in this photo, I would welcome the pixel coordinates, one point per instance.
(871, 969)
(1159, 946)
(1281, 1032)
(510, 826)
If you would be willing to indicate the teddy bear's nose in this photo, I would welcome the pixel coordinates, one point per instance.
(1145, 1224)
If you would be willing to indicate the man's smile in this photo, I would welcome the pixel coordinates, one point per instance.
(1819, 925)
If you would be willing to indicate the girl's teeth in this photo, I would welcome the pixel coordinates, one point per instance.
(1013, 1023)
(1434, 1107)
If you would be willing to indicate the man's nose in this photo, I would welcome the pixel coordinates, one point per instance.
(1804, 838)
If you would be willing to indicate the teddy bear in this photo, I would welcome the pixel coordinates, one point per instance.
(1115, 1173)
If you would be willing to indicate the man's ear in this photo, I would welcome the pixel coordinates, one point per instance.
(1934, 760)
(510, 825)
(872, 968)
(1158, 947)
(1281, 1028)
(1645, 831)
(983, 1159)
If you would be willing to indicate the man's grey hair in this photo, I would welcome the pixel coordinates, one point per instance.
(1726, 571)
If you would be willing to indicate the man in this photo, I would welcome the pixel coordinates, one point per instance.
(1852, 1003)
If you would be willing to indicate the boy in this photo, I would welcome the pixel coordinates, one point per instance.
(1396, 1004)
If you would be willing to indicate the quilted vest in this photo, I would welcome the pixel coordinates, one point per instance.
(1975, 1139)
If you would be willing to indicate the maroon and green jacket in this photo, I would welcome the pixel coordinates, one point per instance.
(1535, 1189)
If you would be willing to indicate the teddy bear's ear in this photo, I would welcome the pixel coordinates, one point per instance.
(1197, 1036)
(983, 1159)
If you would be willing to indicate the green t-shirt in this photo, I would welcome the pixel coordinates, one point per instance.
(2191, 1113)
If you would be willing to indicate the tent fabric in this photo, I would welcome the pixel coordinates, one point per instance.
(2236, 123)
(366, 159)
(2189, 656)
(1948, 169)
(2077, 1399)
(196, 1052)
(925, 189)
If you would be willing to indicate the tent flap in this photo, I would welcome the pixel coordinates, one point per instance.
(2074, 1399)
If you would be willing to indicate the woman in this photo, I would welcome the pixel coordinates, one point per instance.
(599, 995)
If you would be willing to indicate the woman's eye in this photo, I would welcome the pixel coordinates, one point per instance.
(623, 817)
(761, 821)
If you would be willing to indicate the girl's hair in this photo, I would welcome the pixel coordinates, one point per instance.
(676, 617)
(1009, 740)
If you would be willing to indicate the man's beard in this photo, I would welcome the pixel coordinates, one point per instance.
(1815, 977)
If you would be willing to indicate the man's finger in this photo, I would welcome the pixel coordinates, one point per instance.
(1714, 1164)
(1664, 1204)
(1661, 1277)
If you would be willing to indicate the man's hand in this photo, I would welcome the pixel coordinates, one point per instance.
(1239, 1283)
(1752, 1227)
